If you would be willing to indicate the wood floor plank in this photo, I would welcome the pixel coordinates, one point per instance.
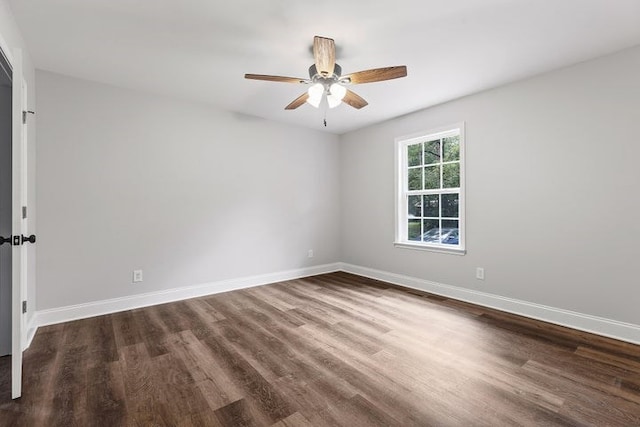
(329, 350)
(142, 395)
(70, 383)
(176, 389)
(583, 380)
(271, 404)
(293, 420)
(314, 395)
(151, 330)
(105, 395)
(357, 412)
(240, 413)
(631, 363)
(124, 328)
(204, 310)
(201, 419)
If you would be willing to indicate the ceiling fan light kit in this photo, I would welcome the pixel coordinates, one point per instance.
(323, 84)
(326, 80)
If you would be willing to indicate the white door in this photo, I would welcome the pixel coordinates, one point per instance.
(17, 280)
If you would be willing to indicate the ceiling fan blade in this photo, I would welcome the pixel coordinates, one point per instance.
(297, 102)
(275, 78)
(355, 100)
(376, 75)
(324, 55)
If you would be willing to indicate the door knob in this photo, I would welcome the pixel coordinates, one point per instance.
(30, 239)
(18, 240)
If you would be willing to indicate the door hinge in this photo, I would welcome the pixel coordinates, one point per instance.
(24, 115)
(24, 306)
(24, 212)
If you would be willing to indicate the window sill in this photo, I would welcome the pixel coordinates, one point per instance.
(437, 249)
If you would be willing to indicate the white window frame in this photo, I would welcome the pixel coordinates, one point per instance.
(401, 214)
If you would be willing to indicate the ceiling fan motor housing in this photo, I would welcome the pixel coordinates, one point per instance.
(316, 77)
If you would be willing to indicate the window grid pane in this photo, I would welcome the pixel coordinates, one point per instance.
(414, 206)
(451, 148)
(414, 154)
(414, 179)
(432, 177)
(451, 175)
(432, 152)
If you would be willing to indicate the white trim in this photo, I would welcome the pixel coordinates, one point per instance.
(437, 132)
(422, 247)
(7, 51)
(401, 192)
(584, 322)
(97, 308)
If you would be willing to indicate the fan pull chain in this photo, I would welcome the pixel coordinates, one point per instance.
(325, 116)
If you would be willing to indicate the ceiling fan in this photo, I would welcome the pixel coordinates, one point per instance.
(326, 79)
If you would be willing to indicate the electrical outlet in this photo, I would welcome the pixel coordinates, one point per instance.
(137, 276)
(480, 273)
(310, 253)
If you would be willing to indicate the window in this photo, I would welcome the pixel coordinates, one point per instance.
(430, 190)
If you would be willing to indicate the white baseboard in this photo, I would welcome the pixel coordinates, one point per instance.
(583, 322)
(97, 308)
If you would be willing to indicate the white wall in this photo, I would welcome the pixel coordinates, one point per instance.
(552, 191)
(187, 193)
(10, 34)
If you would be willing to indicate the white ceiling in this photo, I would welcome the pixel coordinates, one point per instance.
(200, 49)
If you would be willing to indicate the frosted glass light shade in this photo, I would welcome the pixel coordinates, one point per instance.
(336, 93)
(315, 94)
(333, 101)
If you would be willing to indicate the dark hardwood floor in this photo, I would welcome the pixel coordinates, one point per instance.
(330, 350)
